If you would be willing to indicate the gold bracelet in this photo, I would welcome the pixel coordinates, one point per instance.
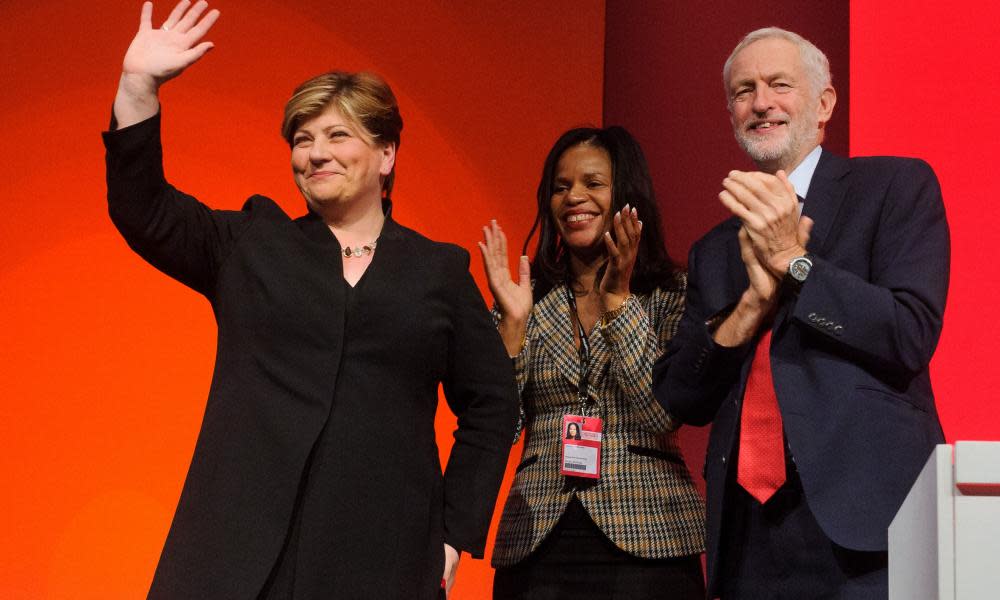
(613, 314)
(524, 342)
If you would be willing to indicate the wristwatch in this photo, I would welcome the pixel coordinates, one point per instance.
(799, 267)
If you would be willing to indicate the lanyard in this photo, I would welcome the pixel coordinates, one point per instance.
(584, 352)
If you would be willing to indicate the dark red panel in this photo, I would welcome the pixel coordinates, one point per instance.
(663, 81)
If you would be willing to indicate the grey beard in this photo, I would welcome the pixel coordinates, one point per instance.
(762, 152)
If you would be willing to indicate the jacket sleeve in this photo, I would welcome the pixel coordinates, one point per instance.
(171, 230)
(636, 339)
(480, 389)
(695, 375)
(891, 321)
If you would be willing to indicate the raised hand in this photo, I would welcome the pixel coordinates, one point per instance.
(158, 55)
(164, 53)
(513, 299)
(761, 296)
(757, 302)
(763, 290)
(622, 252)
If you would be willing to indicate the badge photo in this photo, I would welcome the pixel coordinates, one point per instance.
(581, 446)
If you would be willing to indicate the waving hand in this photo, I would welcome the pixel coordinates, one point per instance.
(513, 298)
(158, 55)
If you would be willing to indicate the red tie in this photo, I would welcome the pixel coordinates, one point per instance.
(761, 464)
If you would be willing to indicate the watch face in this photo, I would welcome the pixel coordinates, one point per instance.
(799, 267)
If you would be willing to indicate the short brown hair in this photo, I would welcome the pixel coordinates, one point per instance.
(363, 97)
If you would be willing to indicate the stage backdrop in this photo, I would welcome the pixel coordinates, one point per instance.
(663, 81)
(106, 362)
(912, 79)
(924, 77)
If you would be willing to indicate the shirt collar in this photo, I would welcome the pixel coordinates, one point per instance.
(802, 176)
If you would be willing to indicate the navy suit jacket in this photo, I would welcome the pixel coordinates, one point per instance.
(849, 351)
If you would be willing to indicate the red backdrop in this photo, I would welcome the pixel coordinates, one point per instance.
(106, 363)
(923, 76)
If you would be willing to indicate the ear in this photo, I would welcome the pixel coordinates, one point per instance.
(827, 100)
(388, 159)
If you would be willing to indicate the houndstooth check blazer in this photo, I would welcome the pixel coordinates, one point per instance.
(644, 501)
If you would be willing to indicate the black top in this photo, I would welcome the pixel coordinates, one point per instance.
(319, 411)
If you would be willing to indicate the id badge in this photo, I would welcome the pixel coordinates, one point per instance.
(581, 446)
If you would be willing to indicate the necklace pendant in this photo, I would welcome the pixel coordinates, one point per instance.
(359, 251)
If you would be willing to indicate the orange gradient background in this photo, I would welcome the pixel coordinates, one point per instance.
(107, 363)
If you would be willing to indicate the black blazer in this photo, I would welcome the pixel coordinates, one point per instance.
(287, 373)
(849, 351)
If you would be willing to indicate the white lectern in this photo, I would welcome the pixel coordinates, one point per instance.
(944, 543)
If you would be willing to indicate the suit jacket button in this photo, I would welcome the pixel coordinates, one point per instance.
(839, 330)
(812, 317)
(723, 460)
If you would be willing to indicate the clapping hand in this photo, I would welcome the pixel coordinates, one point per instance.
(623, 249)
(771, 235)
(764, 285)
(769, 209)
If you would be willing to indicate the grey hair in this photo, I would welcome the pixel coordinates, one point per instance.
(815, 62)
